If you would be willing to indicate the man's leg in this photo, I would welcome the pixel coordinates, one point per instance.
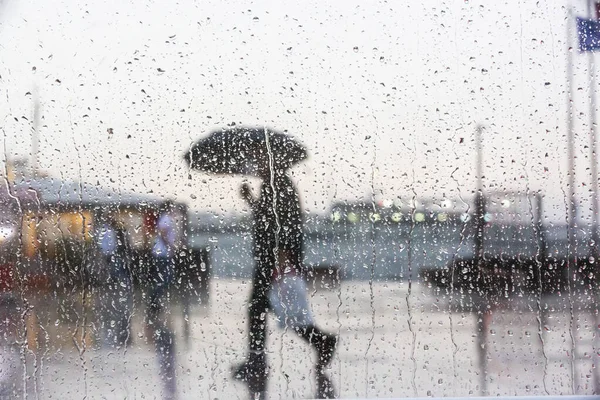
(325, 343)
(254, 370)
(257, 313)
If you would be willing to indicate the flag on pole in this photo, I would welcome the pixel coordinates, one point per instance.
(589, 34)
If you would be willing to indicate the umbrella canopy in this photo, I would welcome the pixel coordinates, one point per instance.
(240, 150)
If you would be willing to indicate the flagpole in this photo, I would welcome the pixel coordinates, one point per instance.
(570, 135)
(593, 145)
(570, 174)
(591, 6)
(35, 134)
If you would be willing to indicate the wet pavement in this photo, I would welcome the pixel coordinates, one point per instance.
(385, 350)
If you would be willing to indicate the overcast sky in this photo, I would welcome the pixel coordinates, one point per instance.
(386, 95)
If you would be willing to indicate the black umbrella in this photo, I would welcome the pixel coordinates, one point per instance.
(239, 150)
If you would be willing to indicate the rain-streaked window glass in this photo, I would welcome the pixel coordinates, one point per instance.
(322, 199)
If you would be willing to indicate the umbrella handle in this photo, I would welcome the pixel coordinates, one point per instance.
(246, 193)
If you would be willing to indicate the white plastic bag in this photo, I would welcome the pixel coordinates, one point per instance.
(289, 302)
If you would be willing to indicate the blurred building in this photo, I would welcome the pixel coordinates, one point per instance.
(57, 219)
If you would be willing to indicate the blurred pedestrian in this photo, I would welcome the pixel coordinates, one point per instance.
(161, 277)
(118, 295)
(278, 255)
